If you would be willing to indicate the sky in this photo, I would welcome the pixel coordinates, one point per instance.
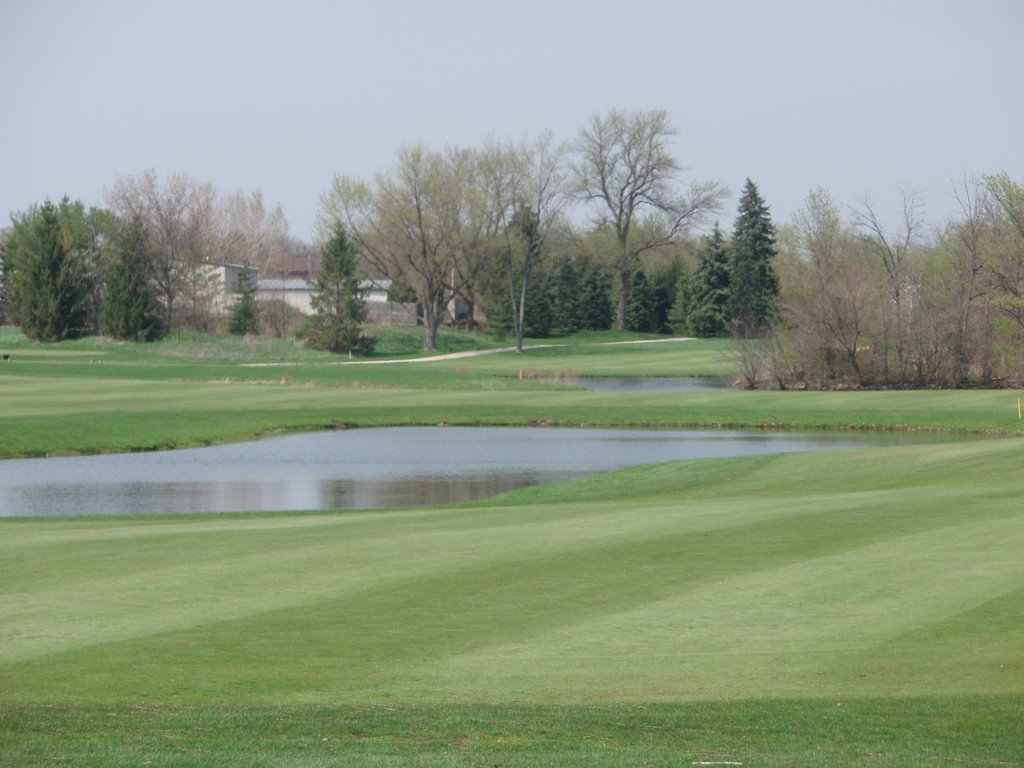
(863, 99)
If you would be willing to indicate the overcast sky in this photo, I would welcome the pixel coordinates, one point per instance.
(861, 98)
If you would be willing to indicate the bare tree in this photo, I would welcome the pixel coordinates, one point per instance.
(627, 170)
(972, 333)
(831, 299)
(1005, 258)
(894, 251)
(180, 220)
(250, 233)
(188, 226)
(526, 192)
(424, 222)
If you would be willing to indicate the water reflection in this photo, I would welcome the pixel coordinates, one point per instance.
(358, 469)
(426, 491)
(647, 384)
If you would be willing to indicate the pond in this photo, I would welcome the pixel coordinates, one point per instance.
(369, 468)
(651, 384)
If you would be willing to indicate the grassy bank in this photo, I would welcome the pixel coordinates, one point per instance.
(59, 415)
(818, 609)
(95, 395)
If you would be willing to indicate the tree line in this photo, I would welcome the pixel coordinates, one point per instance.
(864, 304)
(488, 225)
(543, 236)
(134, 269)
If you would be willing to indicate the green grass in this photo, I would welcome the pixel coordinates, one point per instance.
(95, 395)
(963, 731)
(227, 359)
(866, 596)
(65, 415)
(200, 357)
(391, 342)
(852, 608)
(590, 356)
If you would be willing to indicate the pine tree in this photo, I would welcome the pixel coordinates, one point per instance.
(3, 283)
(46, 276)
(339, 310)
(679, 313)
(709, 291)
(245, 312)
(596, 309)
(538, 319)
(499, 315)
(565, 296)
(638, 308)
(663, 286)
(130, 309)
(753, 284)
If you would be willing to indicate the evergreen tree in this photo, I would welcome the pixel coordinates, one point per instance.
(339, 310)
(3, 284)
(565, 296)
(538, 316)
(638, 308)
(596, 309)
(679, 313)
(663, 286)
(244, 312)
(130, 309)
(46, 275)
(753, 284)
(709, 292)
(95, 235)
(499, 315)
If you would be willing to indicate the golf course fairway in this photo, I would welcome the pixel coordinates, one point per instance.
(846, 608)
(849, 608)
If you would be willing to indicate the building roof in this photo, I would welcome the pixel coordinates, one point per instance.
(288, 284)
(301, 284)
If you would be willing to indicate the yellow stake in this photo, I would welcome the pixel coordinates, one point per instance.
(1018, 409)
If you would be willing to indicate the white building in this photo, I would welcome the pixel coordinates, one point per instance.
(225, 283)
(297, 292)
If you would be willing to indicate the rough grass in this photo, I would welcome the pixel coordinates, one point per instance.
(896, 732)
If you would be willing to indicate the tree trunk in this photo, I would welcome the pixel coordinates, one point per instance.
(433, 314)
(518, 314)
(168, 310)
(623, 307)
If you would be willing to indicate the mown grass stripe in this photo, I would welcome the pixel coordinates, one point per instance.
(398, 603)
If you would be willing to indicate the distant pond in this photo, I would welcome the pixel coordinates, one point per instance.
(652, 384)
(369, 468)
